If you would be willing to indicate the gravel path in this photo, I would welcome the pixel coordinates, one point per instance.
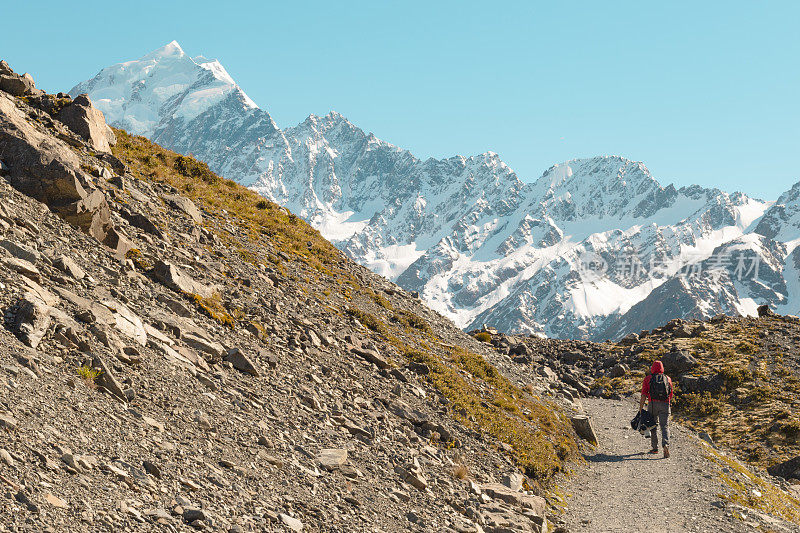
(623, 488)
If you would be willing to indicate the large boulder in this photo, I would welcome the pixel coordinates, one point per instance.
(787, 469)
(88, 122)
(678, 362)
(14, 84)
(181, 203)
(764, 310)
(31, 319)
(174, 278)
(700, 384)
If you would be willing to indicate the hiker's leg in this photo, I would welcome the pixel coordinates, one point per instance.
(653, 433)
(663, 421)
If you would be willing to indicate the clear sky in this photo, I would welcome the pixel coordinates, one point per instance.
(702, 92)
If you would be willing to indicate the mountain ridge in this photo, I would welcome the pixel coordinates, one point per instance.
(466, 232)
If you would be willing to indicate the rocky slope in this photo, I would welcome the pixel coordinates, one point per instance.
(179, 353)
(477, 243)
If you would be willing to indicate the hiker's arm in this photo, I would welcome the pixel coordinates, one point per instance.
(642, 397)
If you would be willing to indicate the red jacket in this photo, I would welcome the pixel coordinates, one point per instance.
(657, 368)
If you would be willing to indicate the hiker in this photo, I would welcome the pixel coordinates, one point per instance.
(657, 388)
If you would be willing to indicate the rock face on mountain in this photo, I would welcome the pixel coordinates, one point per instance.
(478, 244)
(230, 370)
(16, 84)
(45, 167)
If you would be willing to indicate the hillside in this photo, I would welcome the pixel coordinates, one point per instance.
(179, 352)
(736, 388)
(479, 243)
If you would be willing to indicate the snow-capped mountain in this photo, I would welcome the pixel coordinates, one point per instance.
(594, 248)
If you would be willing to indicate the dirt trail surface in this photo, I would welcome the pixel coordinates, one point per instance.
(623, 488)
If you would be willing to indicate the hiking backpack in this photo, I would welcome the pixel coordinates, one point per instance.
(659, 387)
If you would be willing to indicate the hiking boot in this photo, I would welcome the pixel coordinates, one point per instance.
(653, 451)
(666, 452)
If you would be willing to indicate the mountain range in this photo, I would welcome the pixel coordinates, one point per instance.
(595, 248)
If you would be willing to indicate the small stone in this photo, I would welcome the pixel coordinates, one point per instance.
(373, 357)
(174, 278)
(8, 422)
(6, 457)
(332, 458)
(32, 319)
(241, 362)
(292, 523)
(182, 203)
(153, 423)
(152, 469)
(20, 251)
(23, 498)
(67, 265)
(55, 501)
(190, 514)
(619, 370)
(513, 481)
(583, 427)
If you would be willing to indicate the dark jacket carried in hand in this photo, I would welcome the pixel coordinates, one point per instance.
(657, 373)
(643, 422)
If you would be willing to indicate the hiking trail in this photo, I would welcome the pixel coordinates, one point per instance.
(623, 488)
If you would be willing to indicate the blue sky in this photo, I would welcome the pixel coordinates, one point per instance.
(702, 92)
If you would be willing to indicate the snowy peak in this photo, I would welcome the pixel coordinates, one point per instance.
(604, 176)
(334, 125)
(142, 96)
(169, 50)
(599, 188)
(782, 220)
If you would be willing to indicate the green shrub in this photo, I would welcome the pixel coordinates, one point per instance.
(89, 375)
(700, 405)
(368, 321)
(483, 336)
(191, 168)
(257, 217)
(411, 320)
(791, 428)
(540, 439)
(747, 348)
(381, 301)
(735, 376)
(213, 308)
